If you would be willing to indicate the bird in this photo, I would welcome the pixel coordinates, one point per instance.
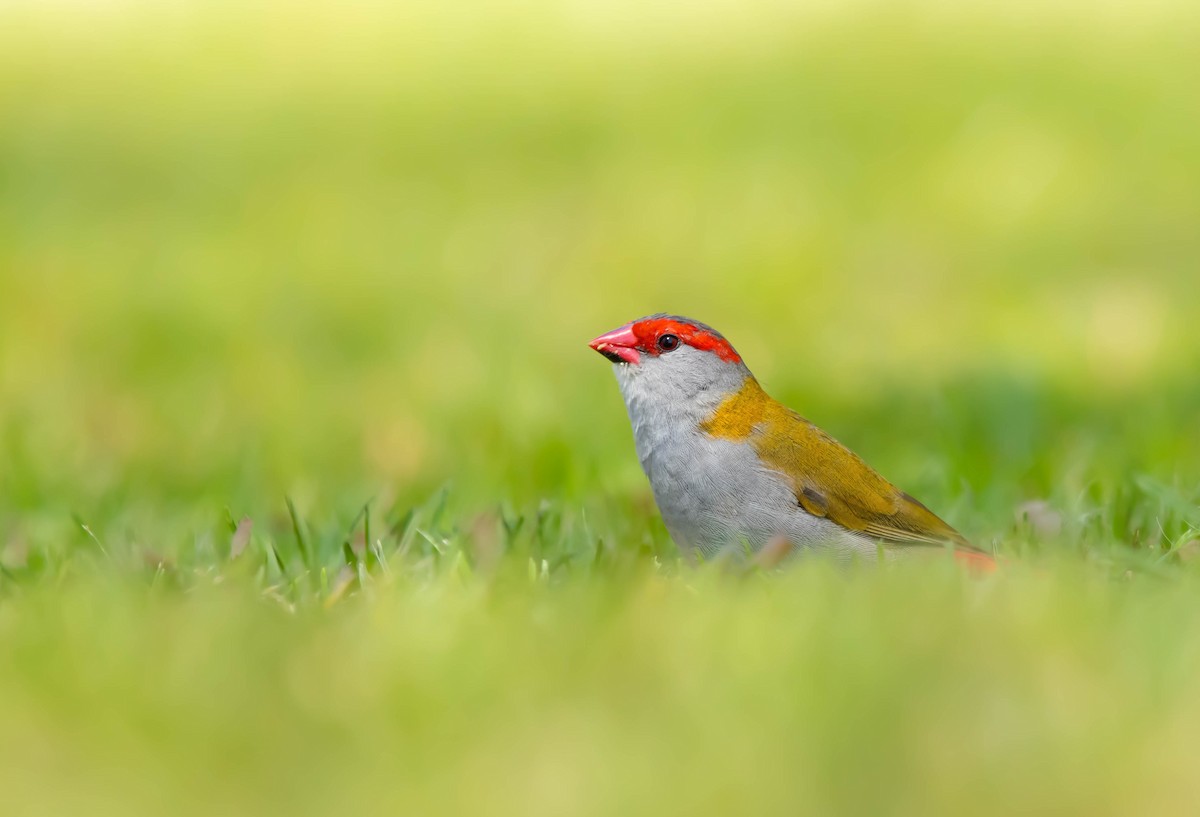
(733, 469)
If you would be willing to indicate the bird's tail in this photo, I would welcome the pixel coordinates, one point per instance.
(975, 561)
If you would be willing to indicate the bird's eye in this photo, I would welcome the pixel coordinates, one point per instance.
(668, 342)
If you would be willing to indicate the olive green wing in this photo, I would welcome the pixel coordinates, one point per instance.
(831, 481)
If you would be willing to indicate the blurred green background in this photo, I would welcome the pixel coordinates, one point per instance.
(340, 252)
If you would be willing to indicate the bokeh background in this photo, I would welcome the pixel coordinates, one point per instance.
(249, 247)
(340, 252)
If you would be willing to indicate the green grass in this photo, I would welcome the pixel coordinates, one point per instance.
(313, 499)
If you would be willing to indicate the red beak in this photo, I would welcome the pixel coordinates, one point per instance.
(619, 345)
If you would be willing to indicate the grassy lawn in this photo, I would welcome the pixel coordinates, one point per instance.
(314, 500)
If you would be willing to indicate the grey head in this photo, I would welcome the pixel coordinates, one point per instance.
(672, 371)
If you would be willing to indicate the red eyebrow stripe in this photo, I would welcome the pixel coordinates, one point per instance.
(649, 331)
